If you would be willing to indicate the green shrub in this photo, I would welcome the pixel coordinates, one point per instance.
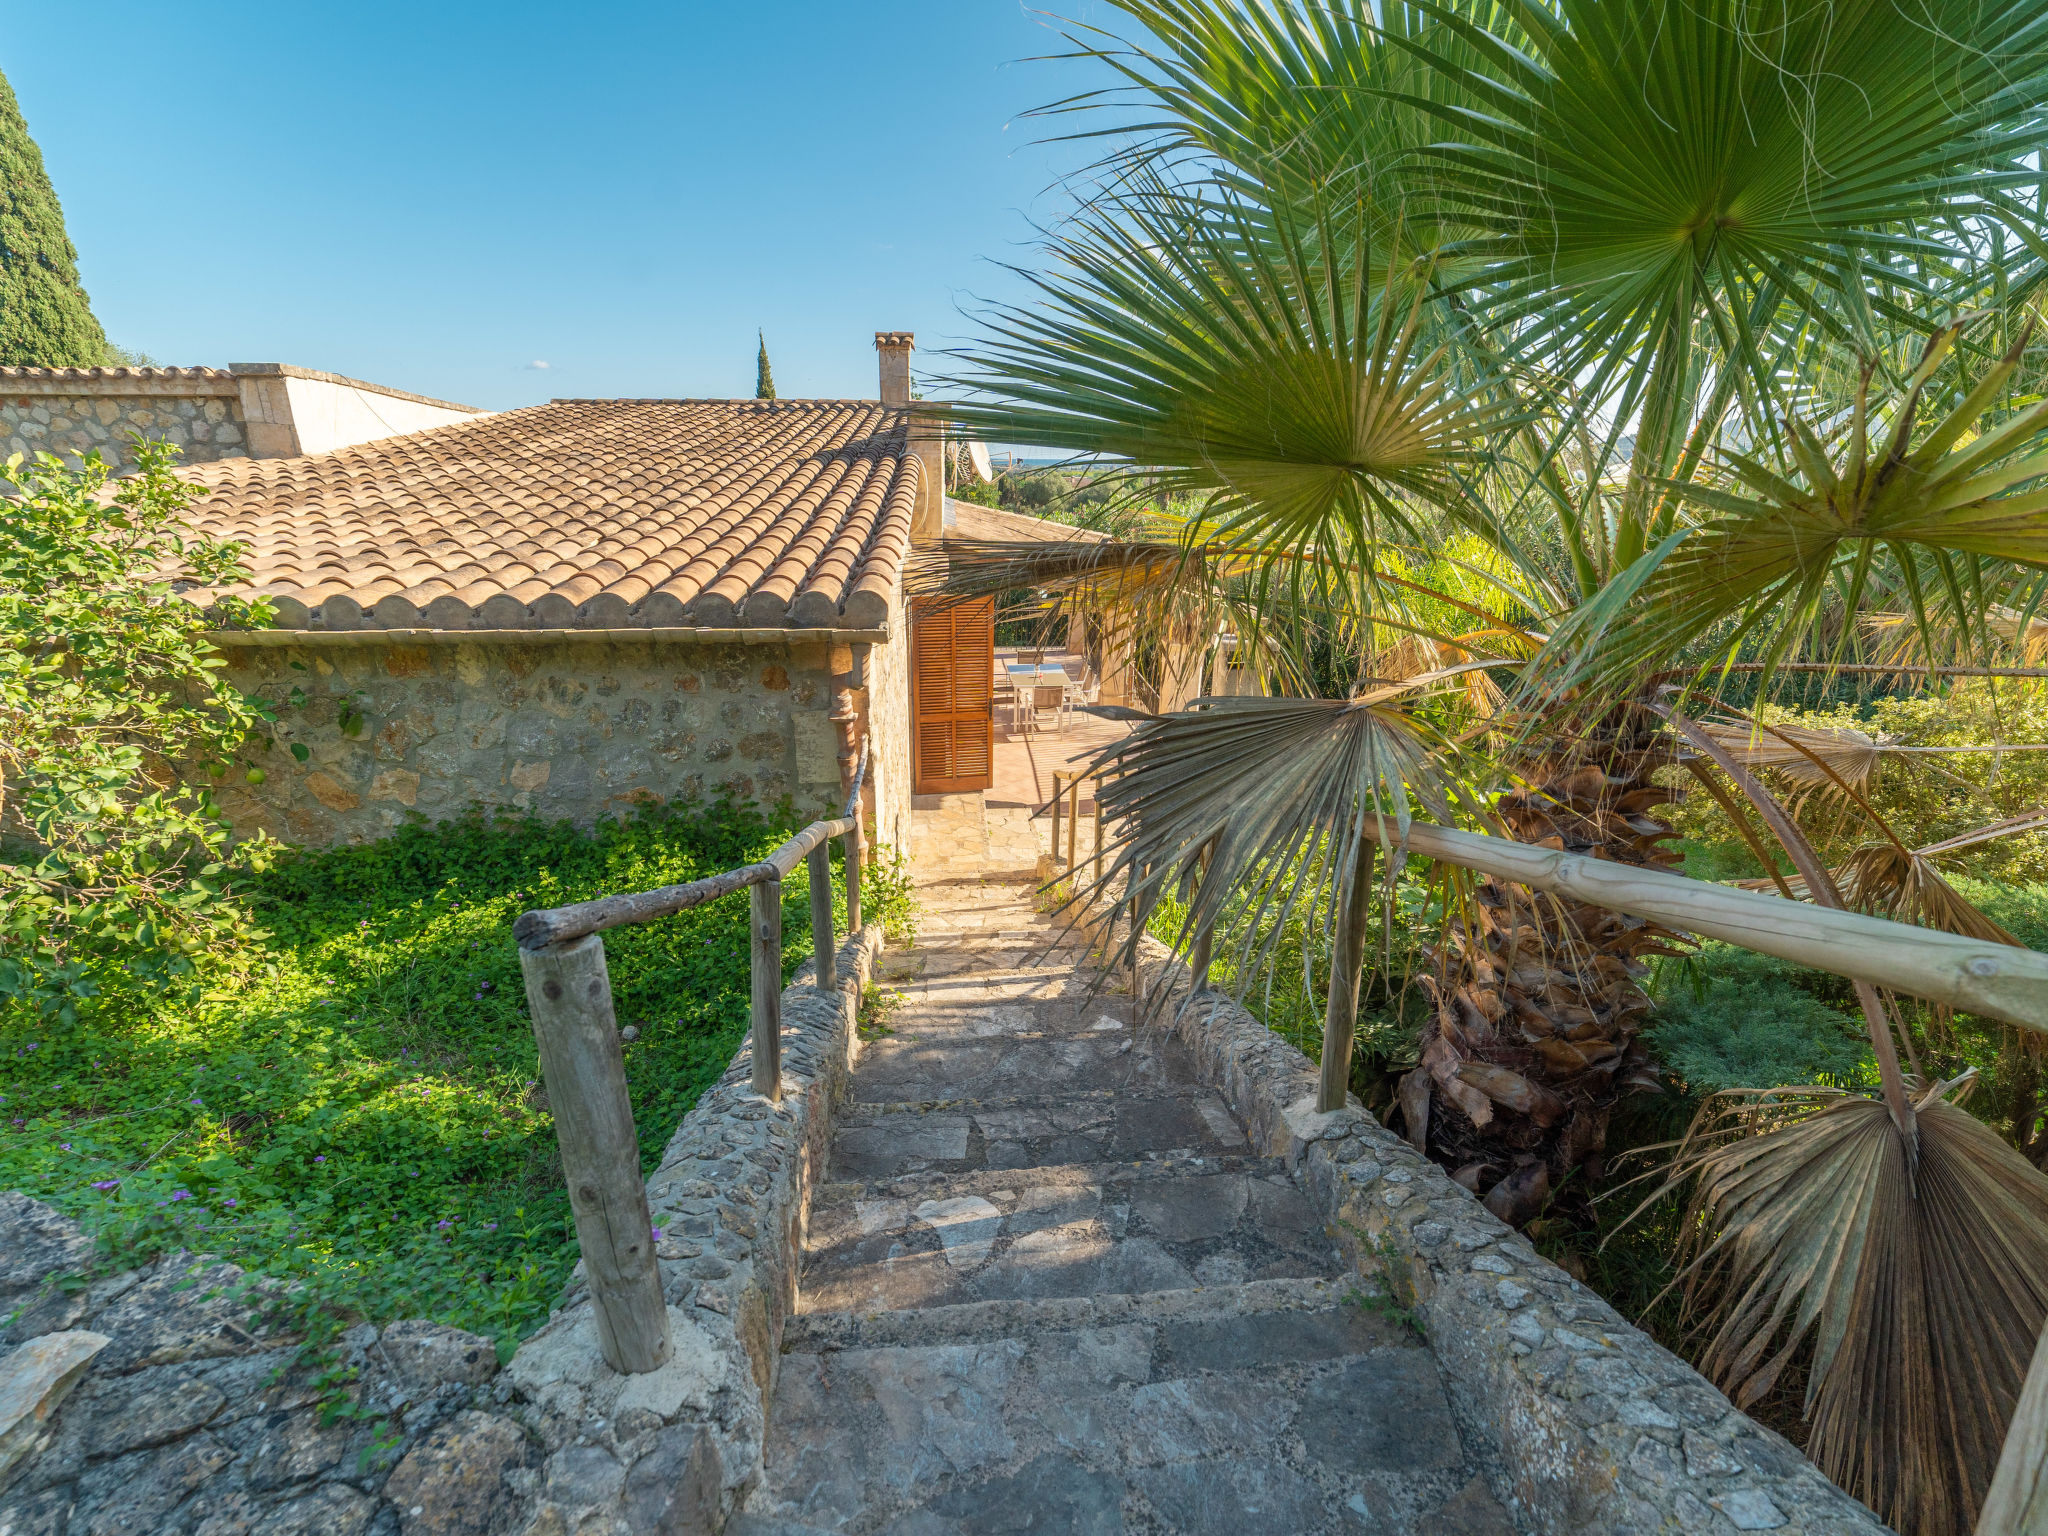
(355, 1103)
(114, 873)
(1729, 1018)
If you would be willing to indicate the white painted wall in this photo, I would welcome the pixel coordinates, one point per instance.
(291, 411)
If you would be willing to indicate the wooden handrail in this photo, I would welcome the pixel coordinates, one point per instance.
(554, 925)
(1996, 980)
(569, 999)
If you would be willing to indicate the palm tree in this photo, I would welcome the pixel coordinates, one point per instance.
(1623, 291)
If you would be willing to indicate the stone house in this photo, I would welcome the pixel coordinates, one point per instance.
(576, 606)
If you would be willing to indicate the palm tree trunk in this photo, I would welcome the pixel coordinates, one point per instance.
(1539, 1000)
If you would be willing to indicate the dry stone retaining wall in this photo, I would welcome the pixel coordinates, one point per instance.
(1588, 1423)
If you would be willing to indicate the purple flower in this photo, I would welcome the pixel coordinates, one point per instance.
(181, 1194)
(106, 1184)
(321, 1159)
(443, 1226)
(490, 1226)
(657, 1234)
(231, 1202)
(63, 1146)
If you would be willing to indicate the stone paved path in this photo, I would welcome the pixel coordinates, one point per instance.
(1050, 1289)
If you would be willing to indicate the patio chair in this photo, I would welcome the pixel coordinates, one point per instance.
(1021, 702)
(1087, 691)
(1049, 695)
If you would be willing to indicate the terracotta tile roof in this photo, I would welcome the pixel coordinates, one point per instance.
(590, 514)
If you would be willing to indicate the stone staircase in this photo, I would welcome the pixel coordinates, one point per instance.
(1049, 1289)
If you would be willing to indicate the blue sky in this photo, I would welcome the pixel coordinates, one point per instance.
(438, 195)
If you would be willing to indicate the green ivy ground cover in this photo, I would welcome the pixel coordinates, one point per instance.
(355, 1103)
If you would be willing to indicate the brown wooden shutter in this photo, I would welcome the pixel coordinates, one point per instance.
(952, 672)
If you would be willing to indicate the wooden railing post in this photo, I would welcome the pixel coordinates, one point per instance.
(1073, 820)
(1057, 775)
(822, 945)
(1205, 939)
(765, 898)
(1347, 963)
(569, 997)
(853, 857)
(1137, 936)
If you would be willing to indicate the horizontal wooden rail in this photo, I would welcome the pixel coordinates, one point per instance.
(569, 999)
(554, 925)
(1995, 980)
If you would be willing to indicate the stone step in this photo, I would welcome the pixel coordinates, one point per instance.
(1255, 1313)
(934, 1015)
(919, 1066)
(1275, 1407)
(1060, 1230)
(958, 1135)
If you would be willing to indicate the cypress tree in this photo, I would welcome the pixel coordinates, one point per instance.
(45, 318)
(764, 376)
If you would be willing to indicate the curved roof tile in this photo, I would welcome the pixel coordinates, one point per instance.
(590, 505)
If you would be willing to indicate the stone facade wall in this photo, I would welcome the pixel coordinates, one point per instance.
(572, 729)
(1586, 1423)
(888, 725)
(206, 426)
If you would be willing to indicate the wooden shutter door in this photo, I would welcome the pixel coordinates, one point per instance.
(952, 675)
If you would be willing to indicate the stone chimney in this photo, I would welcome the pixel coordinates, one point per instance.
(928, 521)
(894, 349)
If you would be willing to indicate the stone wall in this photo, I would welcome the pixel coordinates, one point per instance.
(1586, 1423)
(888, 726)
(576, 729)
(197, 409)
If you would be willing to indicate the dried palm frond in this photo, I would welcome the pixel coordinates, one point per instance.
(1920, 1290)
(2023, 633)
(1281, 791)
(1831, 760)
(1903, 884)
(2011, 826)
(1797, 753)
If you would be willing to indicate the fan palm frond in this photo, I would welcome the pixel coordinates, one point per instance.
(1276, 99)
(1647, 173)
(1920, 1289)
(1776, 546)
(1255, 359)
(1904, 884)
(1279, 793)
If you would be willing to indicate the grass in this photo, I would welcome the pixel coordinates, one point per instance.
(355, 1103)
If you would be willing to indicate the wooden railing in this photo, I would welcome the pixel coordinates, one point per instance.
(1995, 980)
(569, 997)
